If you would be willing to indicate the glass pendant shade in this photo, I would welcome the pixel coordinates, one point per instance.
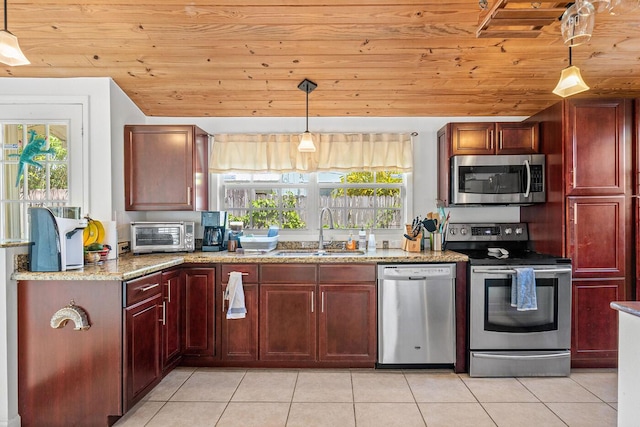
(570, 82)
(306, 143)
(10, 52)
(577, 23)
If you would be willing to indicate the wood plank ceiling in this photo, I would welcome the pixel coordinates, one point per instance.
(381, 58)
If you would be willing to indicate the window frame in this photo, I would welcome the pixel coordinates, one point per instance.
(313, 213)
(27, 111)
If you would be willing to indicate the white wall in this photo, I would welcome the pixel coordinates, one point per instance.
(9, 339)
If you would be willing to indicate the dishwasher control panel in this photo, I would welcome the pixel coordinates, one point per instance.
(422, 271)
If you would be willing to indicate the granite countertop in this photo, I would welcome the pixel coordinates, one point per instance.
(131, 266)
(631, 307)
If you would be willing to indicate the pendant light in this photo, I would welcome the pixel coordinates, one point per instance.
(10, 52)
(571, 81)
(306, 142)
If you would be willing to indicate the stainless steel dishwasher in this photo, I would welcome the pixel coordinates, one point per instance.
(416, 314)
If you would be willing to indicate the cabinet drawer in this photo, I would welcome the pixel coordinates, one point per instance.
(347, 273)
(139, 289)
(250, 272)
(288, 273)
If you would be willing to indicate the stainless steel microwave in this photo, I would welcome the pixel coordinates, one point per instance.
(498, 180)
(171, 236)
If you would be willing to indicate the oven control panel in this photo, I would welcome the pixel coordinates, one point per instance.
(500, 232)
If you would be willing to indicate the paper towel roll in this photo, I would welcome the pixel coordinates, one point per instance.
(111, 238)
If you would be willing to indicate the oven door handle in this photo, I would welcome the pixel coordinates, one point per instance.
(510, 271)
(522, 356)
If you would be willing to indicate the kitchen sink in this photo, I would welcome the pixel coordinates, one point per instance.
(315, 252)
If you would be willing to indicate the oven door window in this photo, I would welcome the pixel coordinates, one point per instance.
(500, 316)
(154, 236)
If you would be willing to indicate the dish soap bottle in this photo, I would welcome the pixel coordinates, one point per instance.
(362, 239)
(351, 244)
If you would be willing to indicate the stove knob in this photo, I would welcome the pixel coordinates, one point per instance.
(519, 231)
(463, 231)
(508, 231)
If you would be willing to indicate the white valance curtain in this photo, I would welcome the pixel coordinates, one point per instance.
(247, 153)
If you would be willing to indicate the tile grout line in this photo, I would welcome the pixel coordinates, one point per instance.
(244, 374)
(164, 403)
(540, 400)
(477, 400)
(415, 401)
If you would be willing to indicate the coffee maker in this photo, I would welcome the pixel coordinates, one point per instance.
(214, 224)
(56, 240)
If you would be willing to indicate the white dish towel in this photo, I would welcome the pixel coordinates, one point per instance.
(235, 295)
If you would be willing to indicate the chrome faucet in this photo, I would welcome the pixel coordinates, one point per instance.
(321, 238)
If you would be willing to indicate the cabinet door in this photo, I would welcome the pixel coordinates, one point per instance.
(347, 327)
(199, 311)
(595, 325)
(517, 138)
(472, 138)
(165, 168)
(597, 137)
(143, 347)
(596, 242)
(171, 326)
(240, 336)
(287, 322)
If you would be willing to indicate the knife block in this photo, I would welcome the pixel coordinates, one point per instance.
(411, 245)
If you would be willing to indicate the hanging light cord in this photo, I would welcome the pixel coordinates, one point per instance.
(570, 56)
(307, 92)
(5, 15)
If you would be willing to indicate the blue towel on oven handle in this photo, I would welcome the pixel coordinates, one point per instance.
(523, 289)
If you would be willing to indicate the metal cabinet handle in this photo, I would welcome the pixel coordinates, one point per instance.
(169, 291)
(188, 195)
(223, 299)
(164, 313)
(147, 288)
(322, 303)
(500, 140)
(312, 300)
(491, 139)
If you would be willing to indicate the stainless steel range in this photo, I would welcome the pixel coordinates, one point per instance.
(507, 339)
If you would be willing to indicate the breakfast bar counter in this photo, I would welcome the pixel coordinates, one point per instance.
(628, 367)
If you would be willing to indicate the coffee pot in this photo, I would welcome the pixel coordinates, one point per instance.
(214, 224)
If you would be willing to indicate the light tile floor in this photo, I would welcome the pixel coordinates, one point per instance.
(291, 397)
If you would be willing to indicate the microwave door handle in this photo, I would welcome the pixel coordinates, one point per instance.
(528, 167)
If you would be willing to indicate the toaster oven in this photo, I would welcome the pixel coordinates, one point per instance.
(170, 236)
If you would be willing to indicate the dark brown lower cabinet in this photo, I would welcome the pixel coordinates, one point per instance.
(347, 324)
(199, 312)
(287, 322)
(172, 322)
(69, 377)
(142, 349)
(594, 323)
(239, 337)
